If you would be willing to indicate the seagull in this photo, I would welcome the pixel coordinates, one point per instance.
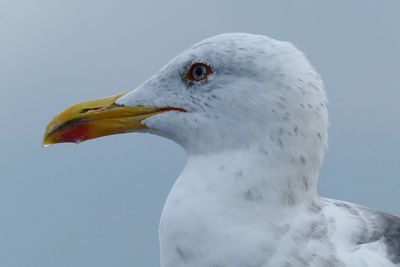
(251, 114)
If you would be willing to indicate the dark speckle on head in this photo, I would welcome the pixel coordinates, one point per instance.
(296, 129)
(289, 195)
(184, 255)
(282, 106)
(263, 150)
(239, 174)
(286, 117)
(313, 86)
(305, 181)
(252, 195)
(319, 135)
(280, 143)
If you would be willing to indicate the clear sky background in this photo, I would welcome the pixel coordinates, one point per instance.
(98, 204)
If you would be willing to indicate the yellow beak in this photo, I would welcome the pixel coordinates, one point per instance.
(96, 118)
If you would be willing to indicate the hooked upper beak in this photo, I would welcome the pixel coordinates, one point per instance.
(96, 118)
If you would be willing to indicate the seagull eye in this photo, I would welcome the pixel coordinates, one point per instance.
(199, 72)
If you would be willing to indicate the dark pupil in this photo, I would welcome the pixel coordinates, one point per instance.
(198, 71)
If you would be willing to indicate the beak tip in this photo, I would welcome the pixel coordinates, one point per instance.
(45, 141)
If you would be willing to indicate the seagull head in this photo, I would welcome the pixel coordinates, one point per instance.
(231, 91)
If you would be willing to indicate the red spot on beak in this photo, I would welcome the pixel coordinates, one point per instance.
(74, 134)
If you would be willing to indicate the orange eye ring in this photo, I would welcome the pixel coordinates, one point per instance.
(199, 71)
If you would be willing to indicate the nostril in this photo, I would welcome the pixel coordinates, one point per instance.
(86, 110)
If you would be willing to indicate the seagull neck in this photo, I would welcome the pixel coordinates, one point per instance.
(255, 174)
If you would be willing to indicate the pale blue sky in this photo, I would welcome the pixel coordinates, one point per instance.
(98, 204)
